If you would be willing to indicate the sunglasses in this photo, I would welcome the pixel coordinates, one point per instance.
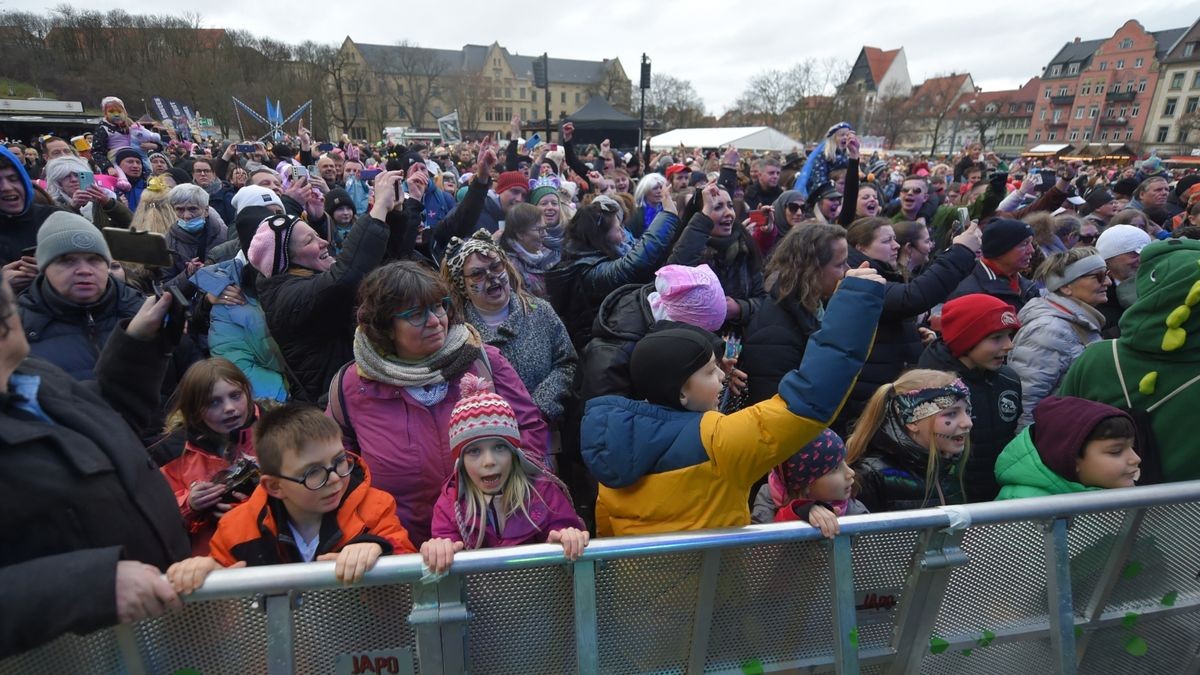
(794, 207)
(419, 316)
(914, 191)
(1099, 277)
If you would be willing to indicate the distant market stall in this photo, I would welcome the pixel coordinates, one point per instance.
(743, 138)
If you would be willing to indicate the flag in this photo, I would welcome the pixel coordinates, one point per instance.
(449, 129)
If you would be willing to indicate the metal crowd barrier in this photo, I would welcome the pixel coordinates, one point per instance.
(1100, 582)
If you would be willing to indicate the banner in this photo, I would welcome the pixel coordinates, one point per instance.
(161, 106)
(449, 129)
(178, 119)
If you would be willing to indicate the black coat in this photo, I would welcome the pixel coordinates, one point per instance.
(312, 316)
(72, 336)
(18, 233)
(773, 344)
(983, 280)
(79, 495)
(995, 409)
(892, 477)
(897, 342)
(624, 319)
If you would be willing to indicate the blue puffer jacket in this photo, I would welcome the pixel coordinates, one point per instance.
(239, 332)
(72, 336)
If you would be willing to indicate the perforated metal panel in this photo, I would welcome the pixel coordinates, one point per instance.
(645, 608)
(349, 621)
(212, 637)
(523, 621)
(881, 563)
(93, 653)
(1165, 559)
(1010, 658)
(1090, 540)
(1003, 586)
(773, 604)
(1171, 646)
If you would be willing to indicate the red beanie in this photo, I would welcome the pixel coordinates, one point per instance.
(966, 321)
(512, 179)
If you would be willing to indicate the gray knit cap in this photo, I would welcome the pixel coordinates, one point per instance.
(64, 232)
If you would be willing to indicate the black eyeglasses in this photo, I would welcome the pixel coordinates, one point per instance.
(418, 316)
(493, 270)
(1088, 238)
(317, 476)
(915, 191)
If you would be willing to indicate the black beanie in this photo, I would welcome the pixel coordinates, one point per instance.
(337, 198)
(666, 357)
(1003, 235)
(180, 175)
(1184, 184)
(1124, 187)
(247, 222)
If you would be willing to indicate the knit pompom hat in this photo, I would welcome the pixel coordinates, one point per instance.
(480, 414)
(268, 251)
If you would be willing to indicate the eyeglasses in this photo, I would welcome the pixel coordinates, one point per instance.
(794, 207)
(317, 476)
(493, 270)
(419, 316)
(1088, 238)
(915, 191)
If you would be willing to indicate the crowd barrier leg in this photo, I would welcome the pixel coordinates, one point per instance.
(587, 644)
(281, 632)
(1058, 593)
(845, 622)
(440, 618)
(1110, 575)
(131, 656)
(710, 565)
(939, 553)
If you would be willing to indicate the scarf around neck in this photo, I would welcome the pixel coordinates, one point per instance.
(463, 347)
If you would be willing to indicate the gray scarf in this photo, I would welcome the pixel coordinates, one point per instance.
(462, 347)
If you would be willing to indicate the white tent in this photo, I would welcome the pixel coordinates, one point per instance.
(744, 138)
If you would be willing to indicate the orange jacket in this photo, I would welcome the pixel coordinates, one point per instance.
(255, 530)
(197, 463)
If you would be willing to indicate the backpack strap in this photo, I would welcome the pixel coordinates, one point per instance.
(1120, 375)
(485, 367)
(337, 404)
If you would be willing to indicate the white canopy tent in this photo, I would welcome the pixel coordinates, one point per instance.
(744, 138)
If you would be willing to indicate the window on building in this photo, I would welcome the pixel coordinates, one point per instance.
(533, 95)
(1104, 65)
(1073, 69)
(1085, 89)
(1161, 136)
(1120, 64)
(1012, 108)
(1087, 135)
(487, 115)
(1191, 104)
(1182, 136)
(1196, 80)
(1127, 43)
(1029, 108)
(1055, 71)
(562, 95)
(507, 113)
(1104, 134)
(1169, 108)
(1093, 112)
(508, 92)
(524, 113)
(1129, 134)
(1047, 94)
(1189, 48)
(1142, 85)
(1099, 89)
(401, 113)
(1062, 91)
(1079, 112)
(1037, 135)
(496, 92)
(1110, 113)
(562, 114)
(1057, 115)
(1074, 135)
(1129, 86)
(1137, 107)
(1139, 62)
(1052, 136)
(1177, 81)
(1042, 114)
(577, 100)
(1124, 109)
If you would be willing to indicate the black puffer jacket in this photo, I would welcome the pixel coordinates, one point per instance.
(80, 494)
(995, 409)
(624, 319)
(311, 316)
(897, 342)
(983, 280)
(773, 344)
(891, 477)
(734, 259)
(72, 336)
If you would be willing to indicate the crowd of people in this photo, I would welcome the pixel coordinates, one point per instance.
(352, 350)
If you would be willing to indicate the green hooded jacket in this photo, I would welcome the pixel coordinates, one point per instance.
(1159, 353)
(1021, 472)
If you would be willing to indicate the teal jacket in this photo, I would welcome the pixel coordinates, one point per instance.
(1021, 473)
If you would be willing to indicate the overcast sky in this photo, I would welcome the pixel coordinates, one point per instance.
(715, 45)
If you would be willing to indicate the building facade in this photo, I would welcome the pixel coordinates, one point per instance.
(1101, 90)
(402, 86)
(877, 74)
(1174, 124)
(937, 124)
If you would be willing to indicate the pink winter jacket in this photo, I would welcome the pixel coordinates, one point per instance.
(549, 509)
(407, 446)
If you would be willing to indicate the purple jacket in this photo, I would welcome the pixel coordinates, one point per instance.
(549, 509)
(407, 446)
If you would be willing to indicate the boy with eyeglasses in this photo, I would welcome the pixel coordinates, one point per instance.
(313, 502)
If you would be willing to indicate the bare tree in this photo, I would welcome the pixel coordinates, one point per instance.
(470, 93)
(673, 102)
(613, 86)
(797, 99)
(983, 113)
(932, 105)
(892, 114)
(1188, 123)
(417, 70)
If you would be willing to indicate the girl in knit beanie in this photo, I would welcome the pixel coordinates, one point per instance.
(496, 496)
(814, 485)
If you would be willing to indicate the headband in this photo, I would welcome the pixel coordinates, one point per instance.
(916, 405)
(1077, 269)
(838, 127)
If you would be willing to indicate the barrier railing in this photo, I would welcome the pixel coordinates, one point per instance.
(1100, 582)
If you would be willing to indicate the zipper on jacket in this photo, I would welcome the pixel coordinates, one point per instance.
(93, 338)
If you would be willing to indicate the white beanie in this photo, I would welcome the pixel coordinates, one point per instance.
(1121, 239)
(254, 195)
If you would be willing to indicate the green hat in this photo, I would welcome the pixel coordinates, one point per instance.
(1168, 289)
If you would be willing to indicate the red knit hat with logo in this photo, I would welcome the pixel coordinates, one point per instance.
(966, 321)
